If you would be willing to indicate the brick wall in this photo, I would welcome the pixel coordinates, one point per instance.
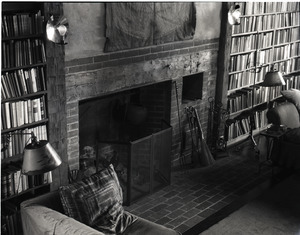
(114, 72)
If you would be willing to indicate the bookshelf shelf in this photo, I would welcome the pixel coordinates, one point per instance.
(25, 97)
(25, 126)
(24, 192)
(22, 37)
(243, 137)
(12, 159)
(23, 67)
(268, 34)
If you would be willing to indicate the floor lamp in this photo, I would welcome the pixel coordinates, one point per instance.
(38, 156)
(256, 70)
(272, 78)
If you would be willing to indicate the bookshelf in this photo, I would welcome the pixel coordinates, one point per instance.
(23, 104)
(268, 33)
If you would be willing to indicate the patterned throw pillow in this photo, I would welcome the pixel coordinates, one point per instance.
(97, 202)
(293, 96)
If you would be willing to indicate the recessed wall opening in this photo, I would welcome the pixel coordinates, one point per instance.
(192, 86)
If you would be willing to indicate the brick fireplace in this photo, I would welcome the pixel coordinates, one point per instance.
(111, 73)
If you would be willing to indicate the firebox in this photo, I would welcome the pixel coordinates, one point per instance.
(143, 165)
(131, 130)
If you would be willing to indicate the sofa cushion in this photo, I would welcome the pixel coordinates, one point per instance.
(97, 201)
(293, 96)
(293, 136)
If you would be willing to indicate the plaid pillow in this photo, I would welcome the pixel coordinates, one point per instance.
(97, 202)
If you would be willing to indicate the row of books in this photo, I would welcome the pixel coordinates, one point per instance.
(246, 78)
(249, 8)
(22, 82)
(25, 52)
(247, 43)
(22, 24)
(10, 220)
(16, 114)
(288, 19)
(282, 52)
(242, 99)
(241, 126)
(289, 66)
(265, 22)
(16, 141)
(13, 182)
(286, 35)
(254, 23)
(292, 82)
(242, 62)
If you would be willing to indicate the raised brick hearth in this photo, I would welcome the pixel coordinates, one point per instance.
(110, 73)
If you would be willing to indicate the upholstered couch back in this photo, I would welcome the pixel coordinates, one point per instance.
(284, 114)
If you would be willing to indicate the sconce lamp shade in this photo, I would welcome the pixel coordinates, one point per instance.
(234, 15)
(273, 78)
(57, 31)
(39, 157)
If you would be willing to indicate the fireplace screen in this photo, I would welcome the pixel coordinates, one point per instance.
(143, 165)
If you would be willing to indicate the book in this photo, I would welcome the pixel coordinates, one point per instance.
(7, 115)
(43, 80)
(28, 81)
(23, 81)
(34, 80)
(30, 111)
(42, 107)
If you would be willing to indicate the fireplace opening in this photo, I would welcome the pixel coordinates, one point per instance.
(131, 130)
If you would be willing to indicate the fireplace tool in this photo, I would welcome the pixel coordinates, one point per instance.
(217, 143)
(204, 155)
(182, 159)
(195, 154)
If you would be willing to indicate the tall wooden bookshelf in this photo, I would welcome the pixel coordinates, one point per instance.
(23, 105)
(268, 33)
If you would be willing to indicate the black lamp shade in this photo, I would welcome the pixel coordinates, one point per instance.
(39, 158)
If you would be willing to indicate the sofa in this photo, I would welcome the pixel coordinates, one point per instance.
(286, 152)
(46, 214)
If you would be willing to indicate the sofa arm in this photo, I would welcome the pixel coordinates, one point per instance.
(284, 114)
(37, 220)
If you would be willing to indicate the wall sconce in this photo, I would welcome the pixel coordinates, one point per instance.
(234, 15)
(57, 31)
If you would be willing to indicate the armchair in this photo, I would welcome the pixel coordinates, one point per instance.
(286, 152)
